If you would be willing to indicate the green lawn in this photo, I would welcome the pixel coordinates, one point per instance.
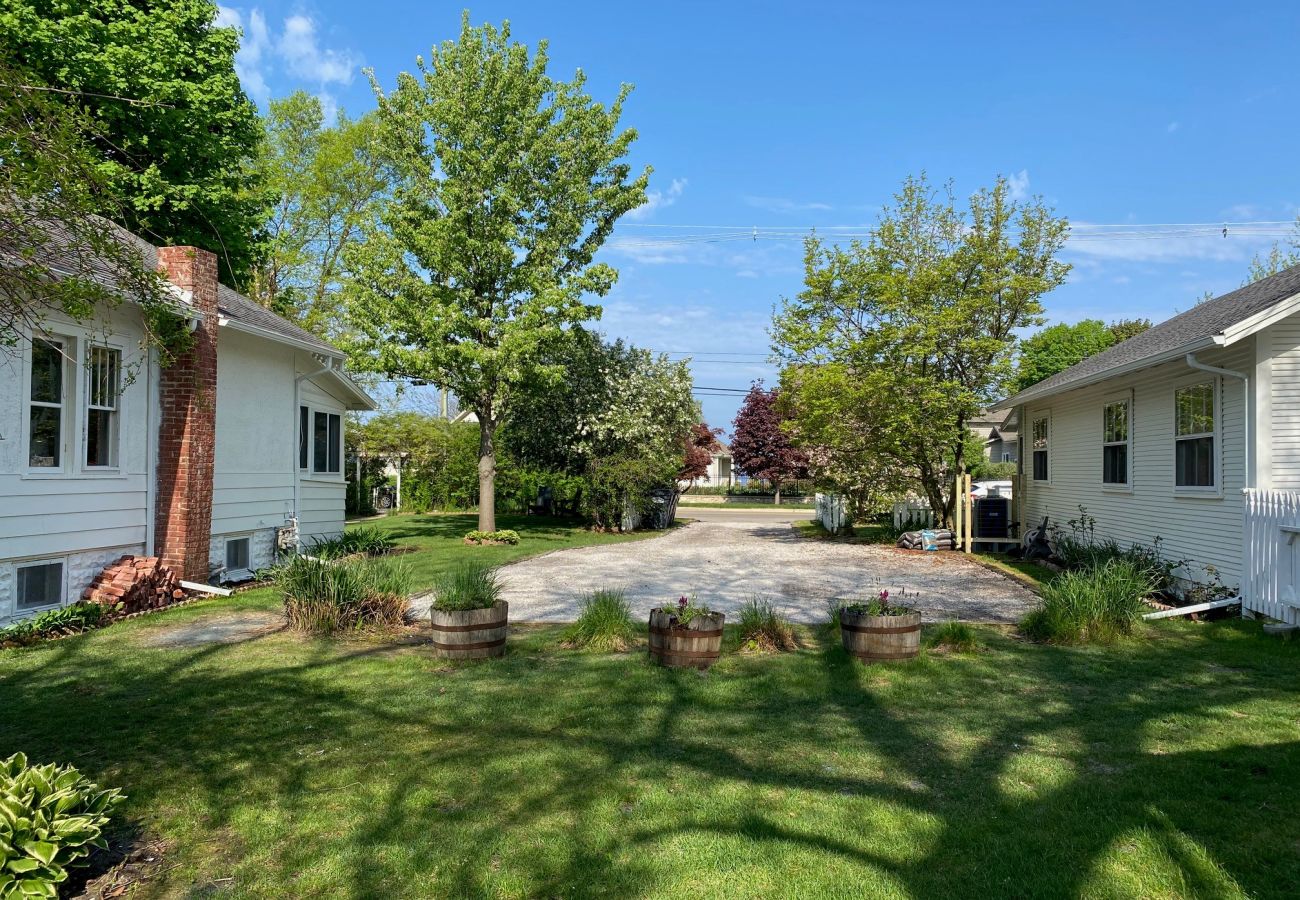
(440, 539)
(283, 766)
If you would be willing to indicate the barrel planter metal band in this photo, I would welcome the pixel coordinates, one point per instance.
(881, 638)
(470, 633)
(680, 646)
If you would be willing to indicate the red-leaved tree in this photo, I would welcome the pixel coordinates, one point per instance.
(701, 443)
(760, 447)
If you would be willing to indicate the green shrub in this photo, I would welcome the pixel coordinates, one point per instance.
(364, 539)
(686, 609)
(604, 624)
(470, 585)
(503, 536)
(953, 637)
(323, 597)
(51, 818)
(1092, 604)
(762, 628)
(68, 620)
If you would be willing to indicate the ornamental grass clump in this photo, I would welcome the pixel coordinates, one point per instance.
(952, 637)
(51, 818)
(364, 540)
(763, 629)
(322, 597)
(470, 585)
(1091, 605)
(605, 623)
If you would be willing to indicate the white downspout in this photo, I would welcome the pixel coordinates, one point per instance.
(297, 473)
(1249, 455)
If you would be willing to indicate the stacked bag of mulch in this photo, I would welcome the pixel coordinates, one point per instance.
(932, 539)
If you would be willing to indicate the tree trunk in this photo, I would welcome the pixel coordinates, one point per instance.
(487, 473)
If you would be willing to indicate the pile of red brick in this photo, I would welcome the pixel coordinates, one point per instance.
(134, 583)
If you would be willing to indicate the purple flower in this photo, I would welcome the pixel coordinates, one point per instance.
(682, 602)
(884, 596)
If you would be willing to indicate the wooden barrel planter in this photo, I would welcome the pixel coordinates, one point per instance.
(880, 638)
(698, 644)
(470, 633)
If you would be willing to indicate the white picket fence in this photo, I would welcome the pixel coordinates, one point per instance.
(1270, 566)
(913, 514)
(831, 512)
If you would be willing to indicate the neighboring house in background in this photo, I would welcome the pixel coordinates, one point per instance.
(1159, 435)
(996, 430)
(204, 464)
(720, 473)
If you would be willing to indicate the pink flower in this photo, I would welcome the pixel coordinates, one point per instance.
(884, 596)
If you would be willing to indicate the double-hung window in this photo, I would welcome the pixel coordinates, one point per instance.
(1115, 443)
(1194, 436)
(327, 443)
(103, 391)
(46, 420)
(1040, 434)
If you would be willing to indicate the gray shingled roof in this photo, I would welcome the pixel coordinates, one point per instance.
(1187, 329)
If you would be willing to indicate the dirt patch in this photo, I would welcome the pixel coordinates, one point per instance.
(231, 628)
(115, 872)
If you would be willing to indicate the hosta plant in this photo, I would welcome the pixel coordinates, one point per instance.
(51, 818)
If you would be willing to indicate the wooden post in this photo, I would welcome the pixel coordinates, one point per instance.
(956, 510)
(968, 514)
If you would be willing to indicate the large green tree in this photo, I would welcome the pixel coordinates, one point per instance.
(325, 180)
(506, 183)
(1280, 256)
(922, 318)
(56, 255)
(173, 131)
(1056, 348)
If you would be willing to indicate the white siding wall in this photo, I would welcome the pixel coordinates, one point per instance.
(1202, 529)
(1283, 344)
(252, 487)
(321, 497)
(84, 517)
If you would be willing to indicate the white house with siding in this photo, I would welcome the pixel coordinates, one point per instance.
(205, 463)
(1167, 433)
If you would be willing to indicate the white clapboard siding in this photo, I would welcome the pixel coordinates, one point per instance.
(1269, 584)
(1205, 530)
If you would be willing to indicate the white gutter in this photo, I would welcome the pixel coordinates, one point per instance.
(236, 325)
(297, 418)
(1248, 456)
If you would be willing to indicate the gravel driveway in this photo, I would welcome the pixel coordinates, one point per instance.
(732, 555)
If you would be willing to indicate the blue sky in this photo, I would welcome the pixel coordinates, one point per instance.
(794, 115)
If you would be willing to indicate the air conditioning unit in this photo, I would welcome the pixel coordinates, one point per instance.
(992, 519)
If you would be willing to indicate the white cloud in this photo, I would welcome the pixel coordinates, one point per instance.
(656, 200)
(783, 204)
(1018, 185)
(303, 56)
(296, 52)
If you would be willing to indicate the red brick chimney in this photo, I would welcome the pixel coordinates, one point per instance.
(187, 429)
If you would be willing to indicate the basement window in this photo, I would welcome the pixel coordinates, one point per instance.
(237, 554)
(327, 443)
(40, 584)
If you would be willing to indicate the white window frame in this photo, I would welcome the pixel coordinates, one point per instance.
(1126, 398)
(324, 474)
(18, 610)
(1043, 415)
(225, 552)
(1197, 490)
(86, 406)
(66, 405)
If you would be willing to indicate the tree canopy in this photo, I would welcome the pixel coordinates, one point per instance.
(325, 180)
(1056, 348)
(172, 130)
(701, 443)
(506, 182)
(760, 445)
(920, 323)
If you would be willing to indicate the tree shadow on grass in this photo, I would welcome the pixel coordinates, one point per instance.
(366, 770)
